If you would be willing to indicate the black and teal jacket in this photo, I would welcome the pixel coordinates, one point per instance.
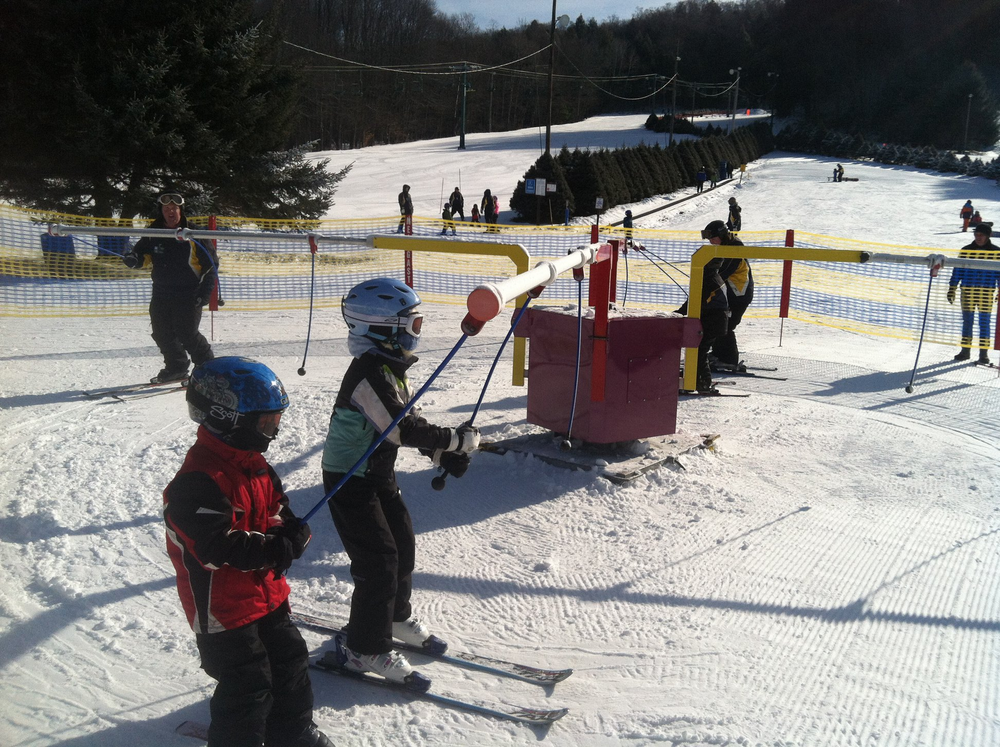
(374, 391)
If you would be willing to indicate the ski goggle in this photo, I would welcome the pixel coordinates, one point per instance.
(411, 323)
(171, 199)
(267, 423)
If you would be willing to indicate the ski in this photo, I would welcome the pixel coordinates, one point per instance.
(986, 364)
(760, 368)
(524, 715)
(715, 393)
(134, 390)
(155, 393)
(750, 374)
(500, 667)
(194, 729)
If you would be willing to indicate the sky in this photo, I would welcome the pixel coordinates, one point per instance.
(515, 12)
(826, 575)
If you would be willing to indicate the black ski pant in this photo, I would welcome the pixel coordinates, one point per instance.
(175, 321)
(377, 533)
(264, 695)
(714, 325)
(725, 347)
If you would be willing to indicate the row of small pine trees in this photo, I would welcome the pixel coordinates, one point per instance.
(631, 174)
(806, 138)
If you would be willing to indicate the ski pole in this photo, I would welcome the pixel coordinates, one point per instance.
(313, 248)
(936, 262)
(439, 481)
(385, 434)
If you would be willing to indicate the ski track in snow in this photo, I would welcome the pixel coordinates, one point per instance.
(825, 576)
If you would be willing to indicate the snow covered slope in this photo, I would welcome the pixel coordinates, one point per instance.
(826, 576)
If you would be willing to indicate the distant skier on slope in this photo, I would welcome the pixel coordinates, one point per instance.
(231, 536)
(368, 511)
(966, 215)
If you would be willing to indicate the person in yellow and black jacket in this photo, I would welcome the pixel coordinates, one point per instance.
(978, 292)
(714, 311)
(736, 272)
(184, 276)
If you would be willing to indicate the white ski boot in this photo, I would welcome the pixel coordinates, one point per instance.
(416, 634)
(391, 665)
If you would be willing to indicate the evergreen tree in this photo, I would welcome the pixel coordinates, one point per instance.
(586, 181)
(550, 207)
(109, 102)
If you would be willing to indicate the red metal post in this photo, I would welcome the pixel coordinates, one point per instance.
(408, 268)
(601, 281)
(786, 277)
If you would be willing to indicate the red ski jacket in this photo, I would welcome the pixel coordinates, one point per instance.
(218, 509)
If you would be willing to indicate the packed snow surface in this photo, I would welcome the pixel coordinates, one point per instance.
(827, 575)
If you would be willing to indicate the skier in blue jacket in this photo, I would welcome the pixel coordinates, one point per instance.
(978, 292)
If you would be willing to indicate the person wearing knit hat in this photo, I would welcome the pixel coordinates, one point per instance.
(978, 292)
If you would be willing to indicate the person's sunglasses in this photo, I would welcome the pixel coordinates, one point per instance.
(171, 199)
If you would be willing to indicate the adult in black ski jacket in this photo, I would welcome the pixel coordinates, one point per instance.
(489, 210)
(735, 220)
(405, 207)
(184, 275)
(457, 201)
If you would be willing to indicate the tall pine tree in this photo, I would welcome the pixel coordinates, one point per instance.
(109, 102)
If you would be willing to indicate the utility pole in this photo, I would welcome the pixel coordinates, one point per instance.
(465, 87)
(552, 64)
(736, 95)
(770, 96)
(489, 125)
(673, 103)
(968, 111)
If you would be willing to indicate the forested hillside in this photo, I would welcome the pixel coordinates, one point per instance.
(896, 70)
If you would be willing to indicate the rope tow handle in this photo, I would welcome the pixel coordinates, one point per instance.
(313, 249)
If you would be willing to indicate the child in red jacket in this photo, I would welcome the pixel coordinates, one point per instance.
(231, 536)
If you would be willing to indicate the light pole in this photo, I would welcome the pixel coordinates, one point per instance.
(968, 111)
(673, 103)
(736, 95)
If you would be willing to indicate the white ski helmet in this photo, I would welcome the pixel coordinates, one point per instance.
(384, 310)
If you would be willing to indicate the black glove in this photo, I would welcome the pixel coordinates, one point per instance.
(951, 294)
(455, 462)
(297, 532)
(132, 261)
(280, 553)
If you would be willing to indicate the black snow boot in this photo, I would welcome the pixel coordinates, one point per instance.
(984, 359)
(963, 355)
(313, 737)
(166, 375)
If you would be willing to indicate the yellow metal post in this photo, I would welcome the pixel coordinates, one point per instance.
(709, 251)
